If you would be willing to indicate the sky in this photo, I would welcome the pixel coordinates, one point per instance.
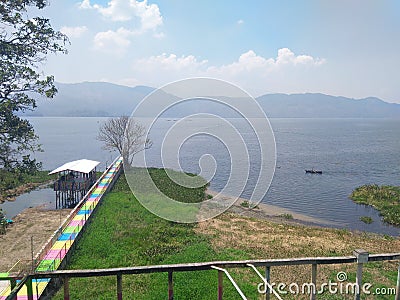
(345, 48)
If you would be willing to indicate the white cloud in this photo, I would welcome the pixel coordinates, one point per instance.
(143, 17)
(172, 63)
(115, 42)
(251, 71)
(148, 15)
(248, 61)
(160, 69)
(74, 32)
(286, 56)
(85, 4)
(240, 22)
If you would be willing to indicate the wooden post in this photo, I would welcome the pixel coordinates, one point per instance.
(362, 257)
(119, 286)
(37, 289)
(32, 255)
(13, 283)
(66, 288)
(29, 288)
(314, 282)
(220, 284)
(398, 284)
(268, 279)
(170, 286)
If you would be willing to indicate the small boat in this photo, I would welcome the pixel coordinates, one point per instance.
(313, 171)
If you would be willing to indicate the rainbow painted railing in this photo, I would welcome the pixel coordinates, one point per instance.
(57, 247)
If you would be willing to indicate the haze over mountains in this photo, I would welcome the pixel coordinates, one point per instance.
(99, 99)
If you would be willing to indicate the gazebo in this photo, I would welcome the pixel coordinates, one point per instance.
(74, 180)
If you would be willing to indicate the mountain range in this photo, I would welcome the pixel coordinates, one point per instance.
(100, 99)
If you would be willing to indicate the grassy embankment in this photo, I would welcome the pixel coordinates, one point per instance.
(123, 233)
(386, 199)
(13, 184)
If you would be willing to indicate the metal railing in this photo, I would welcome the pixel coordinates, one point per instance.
(359, 256)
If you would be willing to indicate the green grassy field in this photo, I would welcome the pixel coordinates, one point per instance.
(124, 234)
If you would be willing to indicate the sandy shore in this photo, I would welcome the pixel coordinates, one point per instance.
(38, 223)
(270, 212)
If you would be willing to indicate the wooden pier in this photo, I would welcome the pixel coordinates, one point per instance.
(74, 181)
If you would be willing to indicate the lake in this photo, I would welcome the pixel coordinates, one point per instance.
(350, 152)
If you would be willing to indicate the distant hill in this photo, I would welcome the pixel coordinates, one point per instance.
(325, 106)
(91, 99)
(100, 99)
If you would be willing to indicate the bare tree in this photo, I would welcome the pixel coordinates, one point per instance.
(125, 135)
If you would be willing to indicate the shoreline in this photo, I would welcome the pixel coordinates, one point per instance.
(39, 222)
(12, 194)
(276, 214)
(271, 212)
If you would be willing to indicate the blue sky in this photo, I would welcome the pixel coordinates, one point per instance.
(342, 47)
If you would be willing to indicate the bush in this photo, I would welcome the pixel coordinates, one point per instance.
(366, 219)
(286, 216)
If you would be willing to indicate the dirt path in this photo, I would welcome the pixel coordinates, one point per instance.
(36, 222)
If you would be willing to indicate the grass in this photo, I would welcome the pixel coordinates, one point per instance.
(245, 204)
(248, 204)
(124, 234)
(264, 239)
(386, 199)
(166, 182)
(39, 177)
(168, 193)
(286, 216)
(366, 219)
(177, 191)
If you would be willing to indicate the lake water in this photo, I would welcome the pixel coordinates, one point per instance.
(351, 152)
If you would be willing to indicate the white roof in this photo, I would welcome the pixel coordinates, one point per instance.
(82, 166)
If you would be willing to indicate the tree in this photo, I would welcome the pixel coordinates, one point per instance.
(3, 222)
(125, 135)
(24, 44)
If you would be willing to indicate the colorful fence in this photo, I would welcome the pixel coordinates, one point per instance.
(55, 251)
